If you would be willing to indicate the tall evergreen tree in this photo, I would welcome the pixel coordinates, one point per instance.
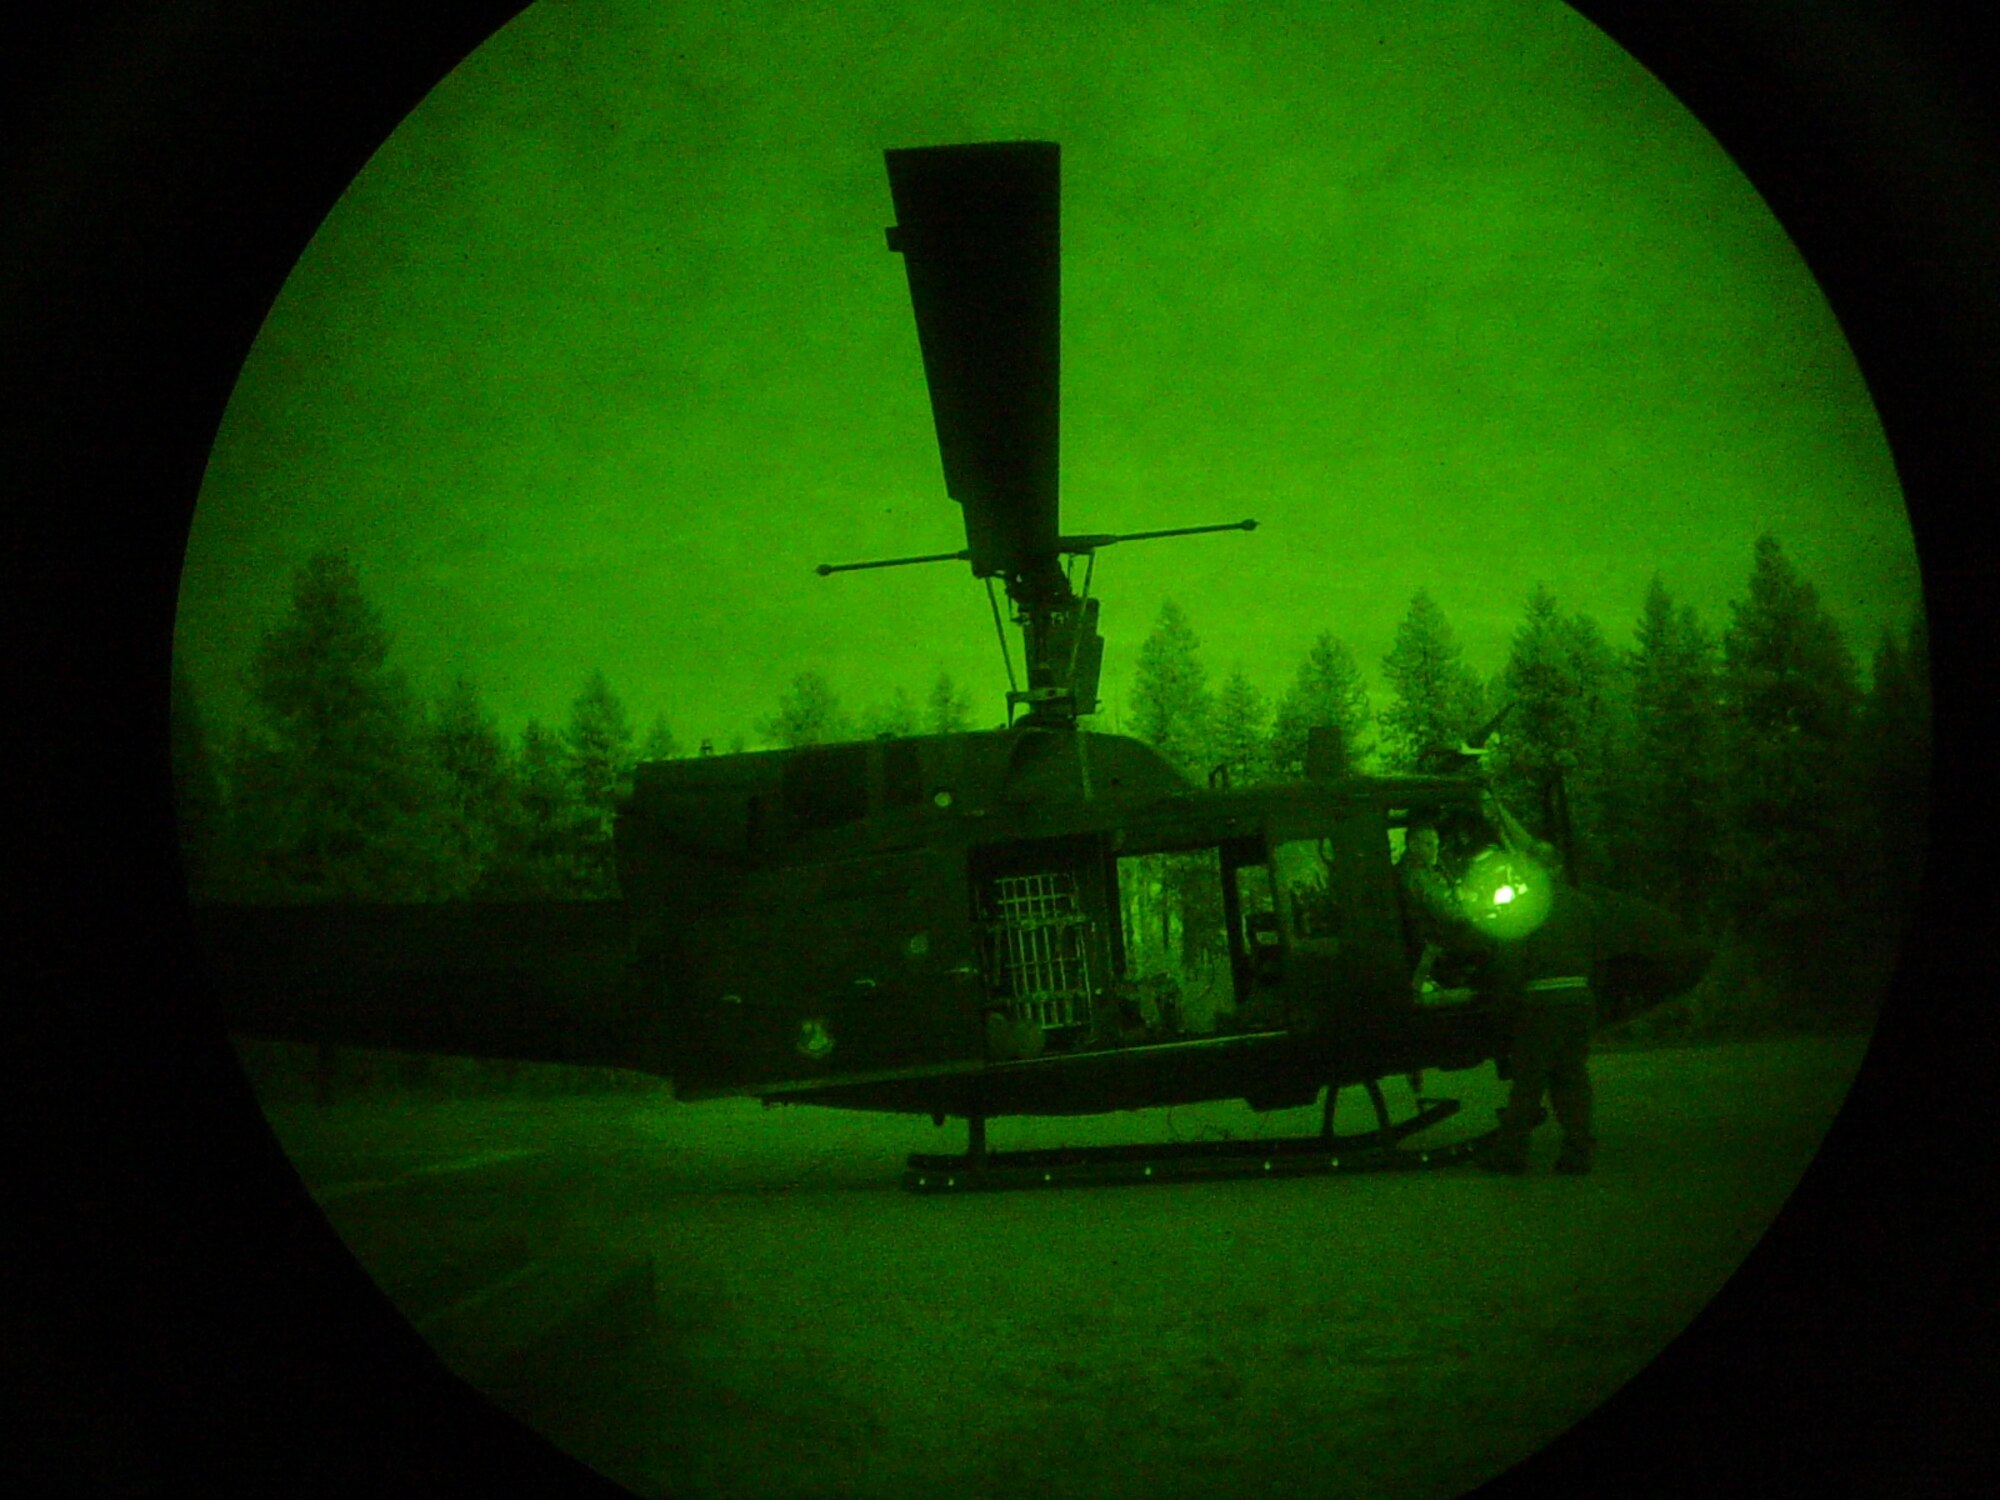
(1171, 706)
(896, 716)
(540, 854)
(1173, 710)
(1436, 696)
(660, 742)
(1558, 678)
(1241, 740)
(478, 779)
(947, 710)
(1326, 691)
(1667, 788)
(1789, 692)
(197, 782)
(336, 795)
(809, 713)
(598, 754)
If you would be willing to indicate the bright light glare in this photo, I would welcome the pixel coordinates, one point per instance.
(1505, 893)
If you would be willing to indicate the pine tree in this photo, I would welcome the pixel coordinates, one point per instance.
(479, 787)
(898, 716)
(1437, 697)
(1171, 706)
(1667, 781)
(1789, 693)
(1240, 729)
(598, 755)
(197, 782)
(539, 854)
(336, 795)
(1173, 711)
(1327, 691)
(947, 710)
(809, 713)
(1559, 679)
(660, 742)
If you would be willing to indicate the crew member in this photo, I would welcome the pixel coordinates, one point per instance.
(1545, 977)
(1430, 903)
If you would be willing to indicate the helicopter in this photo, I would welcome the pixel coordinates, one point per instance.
(971, 925)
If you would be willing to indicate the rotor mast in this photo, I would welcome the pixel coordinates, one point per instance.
(979, 229)
(1063, 625)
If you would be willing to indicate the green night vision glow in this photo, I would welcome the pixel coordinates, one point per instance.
(1505, 892)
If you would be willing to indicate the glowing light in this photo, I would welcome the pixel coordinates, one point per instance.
(1504, 892)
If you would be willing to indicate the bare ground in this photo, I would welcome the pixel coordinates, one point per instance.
(821, 1332)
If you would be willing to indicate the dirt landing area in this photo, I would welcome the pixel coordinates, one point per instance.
(820, 1332)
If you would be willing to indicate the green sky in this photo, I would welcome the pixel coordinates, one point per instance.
(604, 351)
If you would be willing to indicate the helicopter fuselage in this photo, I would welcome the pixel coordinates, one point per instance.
(1027, 921)
(1018, 921)
(1036, 919)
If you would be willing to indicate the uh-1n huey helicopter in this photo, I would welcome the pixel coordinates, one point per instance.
(970, 924)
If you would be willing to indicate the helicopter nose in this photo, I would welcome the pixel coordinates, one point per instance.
(1630, 983)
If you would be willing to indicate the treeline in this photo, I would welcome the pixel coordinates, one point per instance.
(1747, 779)
(1744, 777)
(344, 784)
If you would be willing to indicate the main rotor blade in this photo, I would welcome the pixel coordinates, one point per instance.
(978, 227)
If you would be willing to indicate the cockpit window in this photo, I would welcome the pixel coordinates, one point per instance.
(1256, 900)
(1495, 872)
(1305, 874)
(1462, 831)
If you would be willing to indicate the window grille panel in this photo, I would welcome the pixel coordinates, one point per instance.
(1040, 949)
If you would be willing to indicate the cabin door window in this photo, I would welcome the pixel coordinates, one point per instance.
(1310, 892)
(1041, 949)
(1177, 967)
(1260, 945)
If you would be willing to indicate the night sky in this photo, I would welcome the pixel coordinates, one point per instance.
(604, 351)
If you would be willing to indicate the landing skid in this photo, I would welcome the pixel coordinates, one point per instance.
(1378, 1150)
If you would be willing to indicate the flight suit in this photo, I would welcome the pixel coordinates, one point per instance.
(1545, 976)
(1439, 924)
